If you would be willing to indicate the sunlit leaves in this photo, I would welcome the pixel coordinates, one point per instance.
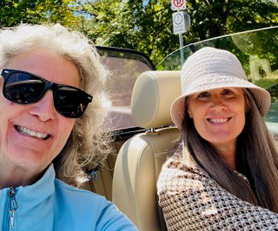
(147, 25)
(13, 12)
(144, 25)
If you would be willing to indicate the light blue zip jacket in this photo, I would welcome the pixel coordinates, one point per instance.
(52, 205)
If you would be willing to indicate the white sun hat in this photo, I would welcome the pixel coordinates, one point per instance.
(210, 68)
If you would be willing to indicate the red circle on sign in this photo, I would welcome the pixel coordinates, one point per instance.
(178, 3)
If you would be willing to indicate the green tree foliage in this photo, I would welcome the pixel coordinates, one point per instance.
(120, 23)
(147, 25)
(142, 25)
(211, 18)
(13, 12)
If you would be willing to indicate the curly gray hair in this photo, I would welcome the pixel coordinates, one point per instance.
(87, 141)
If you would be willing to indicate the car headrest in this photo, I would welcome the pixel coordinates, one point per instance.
(152, 96)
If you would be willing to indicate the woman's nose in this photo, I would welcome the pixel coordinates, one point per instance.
(44, 108)
(217, 102)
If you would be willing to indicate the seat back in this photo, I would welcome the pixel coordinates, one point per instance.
(140, 159)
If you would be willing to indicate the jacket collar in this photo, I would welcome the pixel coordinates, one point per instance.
(38, 191)
(35, 202)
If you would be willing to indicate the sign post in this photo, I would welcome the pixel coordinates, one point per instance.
(181, 22)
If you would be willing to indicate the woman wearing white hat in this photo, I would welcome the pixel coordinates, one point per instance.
(224, 173)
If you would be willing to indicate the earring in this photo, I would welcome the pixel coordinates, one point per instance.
(189, 113)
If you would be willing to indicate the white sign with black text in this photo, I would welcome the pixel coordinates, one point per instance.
(181, 22)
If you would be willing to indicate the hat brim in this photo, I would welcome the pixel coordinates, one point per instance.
(261, 96)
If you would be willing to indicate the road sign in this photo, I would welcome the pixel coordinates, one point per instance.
(178, 5)
(181, 22)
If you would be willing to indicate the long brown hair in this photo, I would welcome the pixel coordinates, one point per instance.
(256, 158)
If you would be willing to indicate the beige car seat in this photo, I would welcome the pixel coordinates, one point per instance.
(141, 157)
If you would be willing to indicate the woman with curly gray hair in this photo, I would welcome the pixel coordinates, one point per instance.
(51, 115)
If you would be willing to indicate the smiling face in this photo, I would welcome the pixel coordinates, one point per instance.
(218, 115)
(33, 135)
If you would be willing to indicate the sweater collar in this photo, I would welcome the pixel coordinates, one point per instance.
(36, 202)
(40, 190)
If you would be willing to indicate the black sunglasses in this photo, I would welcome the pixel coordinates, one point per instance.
(24, 88)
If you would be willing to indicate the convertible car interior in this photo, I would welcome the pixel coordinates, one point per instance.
(141, 157)
(144, 133)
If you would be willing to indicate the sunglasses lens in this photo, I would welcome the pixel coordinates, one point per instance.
(70, 102)
(23, 88)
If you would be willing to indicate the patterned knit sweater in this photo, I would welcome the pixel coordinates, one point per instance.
(191, 200)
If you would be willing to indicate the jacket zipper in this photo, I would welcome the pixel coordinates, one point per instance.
(12, 206)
